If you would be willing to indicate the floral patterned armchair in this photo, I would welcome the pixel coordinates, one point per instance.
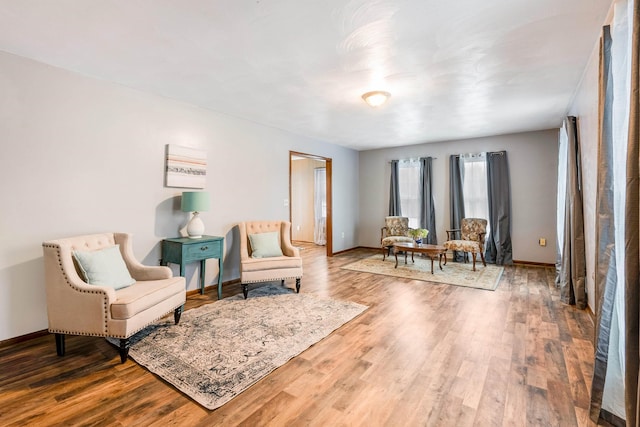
(396, 229)
(471, 240)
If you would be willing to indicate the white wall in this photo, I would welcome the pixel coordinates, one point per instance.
(533, 169)
(82, 156)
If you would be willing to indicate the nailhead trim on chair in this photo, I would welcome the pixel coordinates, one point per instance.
(273, 280)
(60, 331)
(104, 306)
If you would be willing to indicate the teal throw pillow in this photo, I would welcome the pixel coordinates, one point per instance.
(104, 267)
(265, 245)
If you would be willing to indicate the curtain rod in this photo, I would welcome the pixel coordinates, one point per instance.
(413, 158)
(499, 153)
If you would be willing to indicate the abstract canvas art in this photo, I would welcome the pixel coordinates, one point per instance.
(185, 167)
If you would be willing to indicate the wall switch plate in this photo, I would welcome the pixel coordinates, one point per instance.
(343, 234)
(542, 241)
(286, 203)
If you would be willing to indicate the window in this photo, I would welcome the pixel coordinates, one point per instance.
(474, 185)
(563, 142)
(409, 183)
(320, 207)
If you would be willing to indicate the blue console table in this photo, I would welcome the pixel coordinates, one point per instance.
(184, 250)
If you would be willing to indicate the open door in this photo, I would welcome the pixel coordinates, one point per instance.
(310, 199)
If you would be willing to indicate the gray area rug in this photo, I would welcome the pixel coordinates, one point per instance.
(220, 349)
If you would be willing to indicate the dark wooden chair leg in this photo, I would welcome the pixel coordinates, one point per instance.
(483, 260)
(60, 344)
(386, 252)
(245, 290)
(298, 285)
(124, 349)
(282, 282)
(177, 313)
(474, 261)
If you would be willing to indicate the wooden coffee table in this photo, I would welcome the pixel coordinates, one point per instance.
(429, 250)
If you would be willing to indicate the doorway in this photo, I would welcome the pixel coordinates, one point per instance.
(310, 204)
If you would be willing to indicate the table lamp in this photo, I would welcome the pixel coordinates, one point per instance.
(196, 202)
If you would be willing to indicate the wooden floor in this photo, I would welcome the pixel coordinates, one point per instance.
(423, 354)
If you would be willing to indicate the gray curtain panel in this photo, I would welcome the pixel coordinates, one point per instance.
(632, 233)
(605, 268)
(427, 207)
(456, 199)
(498, 249)
(394, 191)
(573, 265)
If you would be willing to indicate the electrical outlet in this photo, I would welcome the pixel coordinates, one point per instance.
(343, 234)
(542, 241)
(286, 203)
(297, 228)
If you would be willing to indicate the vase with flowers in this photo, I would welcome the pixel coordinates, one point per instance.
(418, 234)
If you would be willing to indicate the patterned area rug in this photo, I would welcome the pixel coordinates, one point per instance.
(220, 349)
(454, 273)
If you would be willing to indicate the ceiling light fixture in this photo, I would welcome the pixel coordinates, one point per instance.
(376, 98)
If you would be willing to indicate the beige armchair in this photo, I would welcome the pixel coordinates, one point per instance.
(395, 230)
(470, 238)
(76, 307)
(280, 263)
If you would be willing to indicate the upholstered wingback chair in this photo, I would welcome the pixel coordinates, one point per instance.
(267, 254)
(395, 230)
(76, 307)
(471, 236)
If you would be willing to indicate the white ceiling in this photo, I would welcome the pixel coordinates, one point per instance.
(455, 69)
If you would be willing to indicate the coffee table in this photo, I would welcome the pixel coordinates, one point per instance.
(430, 251)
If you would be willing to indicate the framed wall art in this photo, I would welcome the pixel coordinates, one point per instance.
(185, 167)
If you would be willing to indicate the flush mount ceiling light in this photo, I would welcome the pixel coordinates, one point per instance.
(376, 98)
